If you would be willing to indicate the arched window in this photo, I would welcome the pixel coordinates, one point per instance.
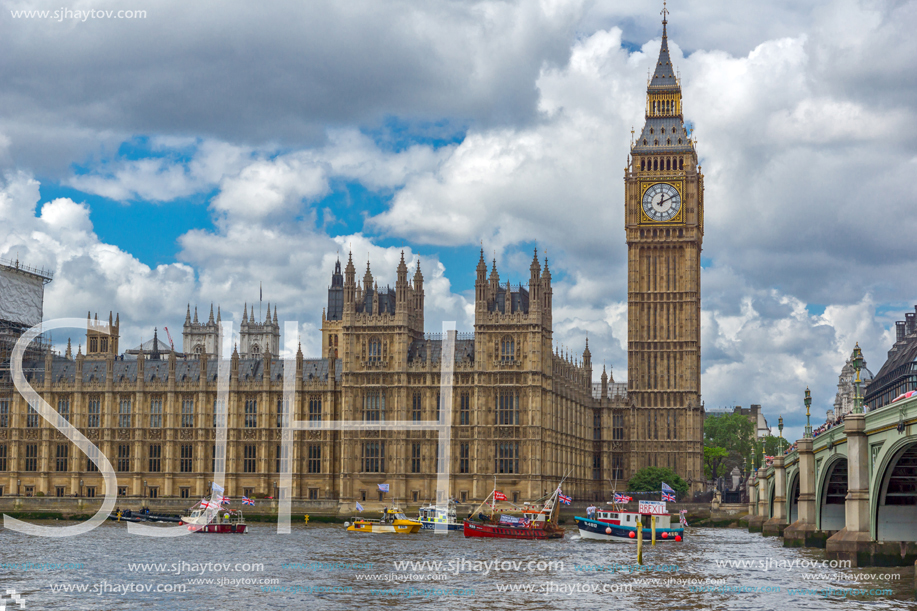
(655, 164)
(375, 350)
(668, 162)
(198, 349)
(256, 349)
(681, 163)
(642, 164)
(507, 349)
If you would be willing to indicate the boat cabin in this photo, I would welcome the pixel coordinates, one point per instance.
(629, 518)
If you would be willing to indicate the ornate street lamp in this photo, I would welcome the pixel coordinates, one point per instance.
(856, 360)
(780, 428)
(808, 402)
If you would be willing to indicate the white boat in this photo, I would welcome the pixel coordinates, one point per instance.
(433, 517)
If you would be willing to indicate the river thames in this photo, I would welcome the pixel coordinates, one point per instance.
(324, 567)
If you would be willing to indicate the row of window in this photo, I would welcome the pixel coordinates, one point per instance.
(659, 164)
(506, 459)
(154, 457)
(126, 420)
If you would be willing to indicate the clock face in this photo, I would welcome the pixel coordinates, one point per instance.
(661, 202)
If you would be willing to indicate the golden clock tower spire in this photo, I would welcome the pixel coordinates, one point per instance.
(664, 224)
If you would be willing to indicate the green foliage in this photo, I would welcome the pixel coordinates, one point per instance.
(649, 479)
(713, 458)
(734, 433)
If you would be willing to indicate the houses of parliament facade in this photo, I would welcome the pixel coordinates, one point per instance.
(522, 412)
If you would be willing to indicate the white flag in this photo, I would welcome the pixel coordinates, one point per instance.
(383, 487)
(359, 507)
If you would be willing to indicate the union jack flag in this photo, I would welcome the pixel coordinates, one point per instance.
(668, 497)
(566, 500)
(225, 501)
(621, 498)
(247, 501)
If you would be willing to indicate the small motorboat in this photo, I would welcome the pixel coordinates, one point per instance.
(393, 521)
(433, 517)
(222, 521)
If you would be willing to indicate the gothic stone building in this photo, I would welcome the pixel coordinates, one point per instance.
(522, 412)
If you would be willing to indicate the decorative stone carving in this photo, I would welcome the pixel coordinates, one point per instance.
(186, 434)
(505, 432)
(248, 434)
(154, 434)
(124, 433)
(32, 434)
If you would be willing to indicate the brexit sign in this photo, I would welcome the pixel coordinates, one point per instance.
(652, 508)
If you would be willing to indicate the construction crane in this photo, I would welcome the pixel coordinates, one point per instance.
(169, 335)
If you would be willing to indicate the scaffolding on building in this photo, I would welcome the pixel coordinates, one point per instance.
(11, 331)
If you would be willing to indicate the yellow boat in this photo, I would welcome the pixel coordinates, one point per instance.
(393, 521)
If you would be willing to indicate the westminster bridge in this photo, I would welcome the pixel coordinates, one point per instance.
(851, 490)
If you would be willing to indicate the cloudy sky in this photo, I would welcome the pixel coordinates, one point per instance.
(208, 148)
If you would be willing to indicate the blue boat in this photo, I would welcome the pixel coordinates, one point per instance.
(617, 525)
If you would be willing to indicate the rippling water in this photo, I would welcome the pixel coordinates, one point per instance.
(324, 567)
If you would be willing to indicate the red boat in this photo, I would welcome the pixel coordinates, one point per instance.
(532, 524)
(505, 531)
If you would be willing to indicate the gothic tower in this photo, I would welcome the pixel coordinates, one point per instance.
(664, 209)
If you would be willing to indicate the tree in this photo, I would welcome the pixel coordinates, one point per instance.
(734, 433)
(649, 479)
(713, 457)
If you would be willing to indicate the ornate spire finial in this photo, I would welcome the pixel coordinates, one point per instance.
(665, 14)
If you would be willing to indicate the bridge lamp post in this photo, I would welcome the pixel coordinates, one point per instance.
(780, 428)
(808, 402)
(857, 362)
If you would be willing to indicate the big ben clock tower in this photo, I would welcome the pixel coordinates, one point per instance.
(664, 221)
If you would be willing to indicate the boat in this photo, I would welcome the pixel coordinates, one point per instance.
(531, 524)
(434, 517)
(393, 521)
(211, 517)
(127, 515)
(618, 524)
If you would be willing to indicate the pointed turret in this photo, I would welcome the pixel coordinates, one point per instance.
(195, 315)
(219, 320)
(367, 278)
(664, 130)
(275, 314)
(154, 353)
(664, 75)
(68, 354)
(210, 321)
(245, 313)
(188, 315)
(267, 317)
